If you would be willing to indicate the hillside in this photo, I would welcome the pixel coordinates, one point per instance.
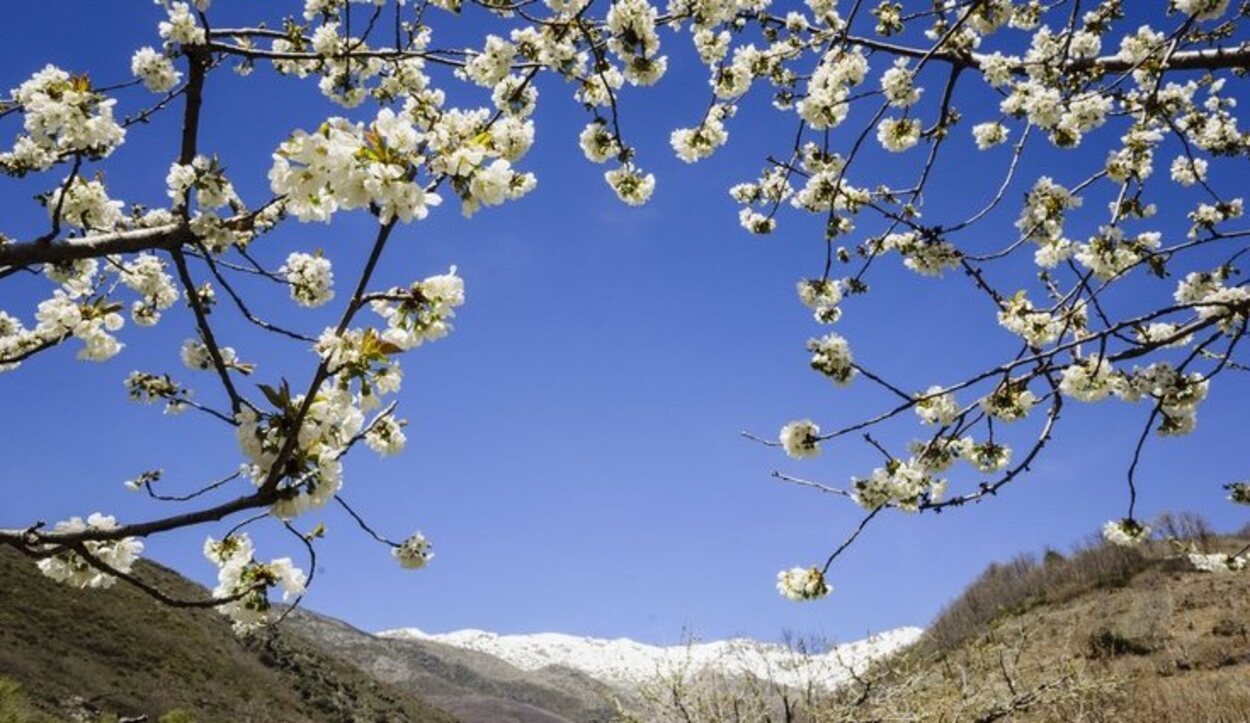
(79, 653)
(473, 686)
(1106, 634)
(93, 653)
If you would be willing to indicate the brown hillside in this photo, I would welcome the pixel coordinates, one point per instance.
(1106, 634)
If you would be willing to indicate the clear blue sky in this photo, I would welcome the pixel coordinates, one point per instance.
(573, 448)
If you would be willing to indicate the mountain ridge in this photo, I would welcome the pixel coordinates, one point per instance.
(623, 662)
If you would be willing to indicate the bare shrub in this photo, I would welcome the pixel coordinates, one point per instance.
(1023, 583)
(1189, 526)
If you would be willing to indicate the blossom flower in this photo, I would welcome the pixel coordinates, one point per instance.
(1039, 328)
(245, 583)
(147, 388)
(1109, 253)
(925, 256)
(386, 436)
(822, 296)
(60, 317)
(935, 407)
(85, 205)
(898, 134)
(1125, 532)
(1042, 217)
(756, 222)
(77, 278)
(1088, 379)
(988, 135)
(72, 569)
(341, 167)
(196, 355)
(898, 84)
(308, 482)
(492, 64)
(631, 185)
(598, 144)
(825, 104)
(905, 484)
(1217, 562)
(1010, 401)
(1202, 9)
(1158, 332)
(156, 70)
(181, 27)
(414, 553)
(422, 312)
(63, 115)
(310, 278)
(800, 584)
(987, 457)
(1187, 172)
(145, 275)
(996, 68)
(831, 356)
(693, 144)
(800, 439)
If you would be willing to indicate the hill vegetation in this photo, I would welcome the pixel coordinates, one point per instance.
(69, 654)
(101, 655)
(1104, 634)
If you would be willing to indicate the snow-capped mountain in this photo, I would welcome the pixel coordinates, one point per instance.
(625, 663)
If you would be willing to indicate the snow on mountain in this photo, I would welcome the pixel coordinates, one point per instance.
(626, 663)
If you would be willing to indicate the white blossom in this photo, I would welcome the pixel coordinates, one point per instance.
(831, 356)
(72, 569)
(156, 70)
(800, 584)
(988, 135)
(310, 278)
(181, 27)
(414, 553)
(898, 134)
(800, 439)
(631, 185)
(937, 407)
(386, 436)
(1125, 532)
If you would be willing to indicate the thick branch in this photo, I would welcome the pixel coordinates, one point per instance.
(167, 236)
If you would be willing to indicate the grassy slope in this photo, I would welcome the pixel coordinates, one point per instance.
(1104, 637)
(121, 652)
(475, 687)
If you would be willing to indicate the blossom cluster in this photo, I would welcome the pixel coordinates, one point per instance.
(71, 568)
(1218, 563)
(1125, 532)
(802, 584)
(243, 583)
(311, 279)
(414, 553)
(62, 115)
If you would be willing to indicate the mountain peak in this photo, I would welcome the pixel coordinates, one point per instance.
(627, 663)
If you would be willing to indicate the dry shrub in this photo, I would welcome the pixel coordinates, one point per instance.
(1109, 643)
(1023, 583)
(1189, 526)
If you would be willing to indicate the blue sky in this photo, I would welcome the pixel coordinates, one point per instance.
(574, 448)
